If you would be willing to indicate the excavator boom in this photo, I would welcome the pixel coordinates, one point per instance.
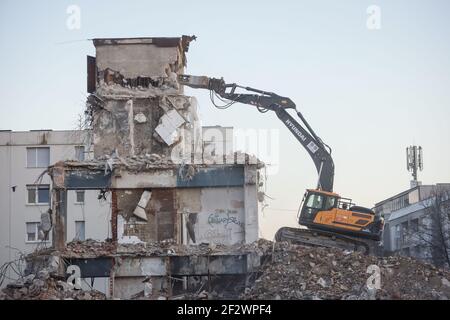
(265, 101)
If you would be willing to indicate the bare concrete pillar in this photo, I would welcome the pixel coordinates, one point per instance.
(114, 212)
(251, 204)
(59, 208)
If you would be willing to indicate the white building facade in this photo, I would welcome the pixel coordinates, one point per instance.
(26, 192)
(410, 229)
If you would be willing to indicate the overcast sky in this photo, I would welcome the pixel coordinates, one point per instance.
(367, 92)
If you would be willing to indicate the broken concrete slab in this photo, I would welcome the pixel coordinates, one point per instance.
(142, 205)
(168, 125)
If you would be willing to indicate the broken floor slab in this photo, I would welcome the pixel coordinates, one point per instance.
(171, 268)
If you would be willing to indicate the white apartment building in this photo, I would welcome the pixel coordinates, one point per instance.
(24, 195)
(409, 228)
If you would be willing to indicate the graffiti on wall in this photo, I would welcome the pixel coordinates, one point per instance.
(221, 226)
(225, 217)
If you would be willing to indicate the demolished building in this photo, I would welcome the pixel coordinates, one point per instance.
(149, 163)
(184, 224)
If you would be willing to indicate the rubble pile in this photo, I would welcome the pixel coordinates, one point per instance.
(107, 163)
(45, 286)
(150, 161)
(88, 249)
(299, 272)
(92, 248)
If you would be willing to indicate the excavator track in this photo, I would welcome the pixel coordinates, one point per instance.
(321, 238)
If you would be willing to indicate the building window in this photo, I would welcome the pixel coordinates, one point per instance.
(79, 230)
(38, 157)
(79, 197)
(38, 194)
(414, 225)
(404, 232)
(34, 232)
(405, 252)
(397, 236)
(423, 223)
(79, 153)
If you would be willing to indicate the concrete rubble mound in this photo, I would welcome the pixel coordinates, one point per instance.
(299, 272)
(46, 286)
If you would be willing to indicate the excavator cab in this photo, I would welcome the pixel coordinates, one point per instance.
(328, 211)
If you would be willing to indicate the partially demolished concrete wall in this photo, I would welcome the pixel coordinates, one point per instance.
(137, 106)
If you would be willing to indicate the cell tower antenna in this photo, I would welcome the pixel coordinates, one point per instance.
(414, 163)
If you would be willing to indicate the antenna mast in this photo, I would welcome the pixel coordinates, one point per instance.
(414, 162)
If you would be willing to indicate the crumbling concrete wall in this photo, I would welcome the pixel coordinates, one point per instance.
(213, 215)
(129, 127)
(207, 213)
(134, 59)
(138, 106)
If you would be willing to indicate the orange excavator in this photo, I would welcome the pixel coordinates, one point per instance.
(330, 220)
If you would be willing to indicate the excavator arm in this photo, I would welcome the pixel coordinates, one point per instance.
(265, 101)
(329, 223)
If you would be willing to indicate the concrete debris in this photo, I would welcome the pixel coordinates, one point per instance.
(135, 163)
(88, 249)
(140, 118)
(42, 286)
(298, 272)
(118, 92)
(168, 125)
(140, 208)
(93, 248)
(148, 161)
